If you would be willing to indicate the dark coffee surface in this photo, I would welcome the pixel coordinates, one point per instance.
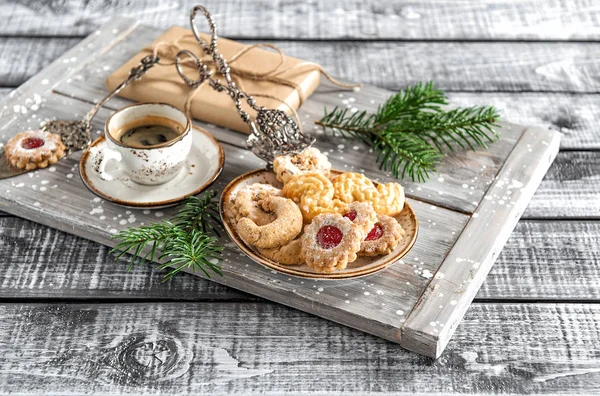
(149, 131)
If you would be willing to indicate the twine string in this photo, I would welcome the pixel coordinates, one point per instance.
(168, 50)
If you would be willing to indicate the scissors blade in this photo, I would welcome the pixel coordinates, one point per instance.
(7, 170)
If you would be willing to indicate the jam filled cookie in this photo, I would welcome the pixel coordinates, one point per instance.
(362, 214)
(383, 237)
(34, 149)
(330, 242)
(290, 254)
(283, 229)
(247, 200)
(310, 160)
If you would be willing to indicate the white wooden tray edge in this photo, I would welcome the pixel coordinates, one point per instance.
(443, 304)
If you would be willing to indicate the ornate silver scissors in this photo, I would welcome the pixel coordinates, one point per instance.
(273, 132)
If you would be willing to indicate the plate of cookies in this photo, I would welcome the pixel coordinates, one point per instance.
(307, 220)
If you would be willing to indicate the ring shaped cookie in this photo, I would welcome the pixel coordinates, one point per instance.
(246, 203)
(310, 160)
(283, 229)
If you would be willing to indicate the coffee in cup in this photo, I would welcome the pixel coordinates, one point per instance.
(149, 131)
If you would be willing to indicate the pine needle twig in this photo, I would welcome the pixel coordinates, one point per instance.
(412, 130)
(188, 240)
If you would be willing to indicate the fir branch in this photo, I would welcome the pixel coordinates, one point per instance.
(411, 101)
(188, 240)
(411, 131)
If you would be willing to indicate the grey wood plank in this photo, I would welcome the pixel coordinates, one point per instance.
(542, 260)
(570, 189)
(521, 66)
(353, 19)
(25, 57)
(263, 348)
(547, 260)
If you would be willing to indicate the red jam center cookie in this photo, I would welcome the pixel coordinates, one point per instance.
(375, 233)
(32, 143)
(329, 237)
(330, 242)
(351, 215)
(34, 149)
(383, 237)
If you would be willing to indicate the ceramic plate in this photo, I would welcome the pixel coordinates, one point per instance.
(204, 165)
(362, 266)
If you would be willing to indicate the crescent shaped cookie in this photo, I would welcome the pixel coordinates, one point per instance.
(283, 229)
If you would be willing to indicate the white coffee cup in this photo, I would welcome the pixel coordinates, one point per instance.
(149, 165)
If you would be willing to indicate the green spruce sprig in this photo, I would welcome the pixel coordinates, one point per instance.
(411, 131)
(188, 240)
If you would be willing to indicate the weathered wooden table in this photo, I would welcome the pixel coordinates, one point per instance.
(73, 321)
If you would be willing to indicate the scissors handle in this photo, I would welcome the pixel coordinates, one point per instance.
(204, 74)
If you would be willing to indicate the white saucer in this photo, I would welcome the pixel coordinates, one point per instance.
(204, 165)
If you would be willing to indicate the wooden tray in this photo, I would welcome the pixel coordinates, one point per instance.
(466, 212)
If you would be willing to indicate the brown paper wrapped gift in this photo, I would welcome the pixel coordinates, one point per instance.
(276, 81)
